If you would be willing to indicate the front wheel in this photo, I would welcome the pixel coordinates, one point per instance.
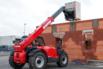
(37, 61)
(14, 65)
(63, 60)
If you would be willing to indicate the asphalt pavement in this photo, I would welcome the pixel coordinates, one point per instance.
(5, 65)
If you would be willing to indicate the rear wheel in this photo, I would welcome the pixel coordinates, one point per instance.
(63, 60)
(37, 61)
(14, 65)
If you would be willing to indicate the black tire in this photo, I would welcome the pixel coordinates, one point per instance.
(63, 60)
(37, 61)
(14, 65)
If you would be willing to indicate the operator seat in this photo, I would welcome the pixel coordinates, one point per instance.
(39, 41)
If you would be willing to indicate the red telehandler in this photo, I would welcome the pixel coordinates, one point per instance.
(36, 55)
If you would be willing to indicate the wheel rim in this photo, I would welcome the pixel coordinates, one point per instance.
(39, 61)
(64, 59)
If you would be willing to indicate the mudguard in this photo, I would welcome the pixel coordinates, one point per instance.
(33, 51)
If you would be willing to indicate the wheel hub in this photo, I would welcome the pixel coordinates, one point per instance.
(39, 61)
(64, 60)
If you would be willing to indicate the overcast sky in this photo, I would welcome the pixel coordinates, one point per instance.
(14, 13)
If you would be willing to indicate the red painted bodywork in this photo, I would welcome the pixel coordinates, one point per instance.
(20, 57)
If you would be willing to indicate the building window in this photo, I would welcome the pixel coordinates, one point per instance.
(87, 44)
(88, 37)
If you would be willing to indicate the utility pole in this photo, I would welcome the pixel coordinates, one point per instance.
(24, 29)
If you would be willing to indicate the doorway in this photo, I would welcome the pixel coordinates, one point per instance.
(59, 45)
(88, 44)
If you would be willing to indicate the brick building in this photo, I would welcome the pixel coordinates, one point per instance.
(81, 39)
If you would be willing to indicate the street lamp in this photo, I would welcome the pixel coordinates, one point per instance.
(24, 28)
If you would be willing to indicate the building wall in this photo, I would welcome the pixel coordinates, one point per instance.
(74, 40)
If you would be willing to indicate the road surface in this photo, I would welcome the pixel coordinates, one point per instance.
(4, 65)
